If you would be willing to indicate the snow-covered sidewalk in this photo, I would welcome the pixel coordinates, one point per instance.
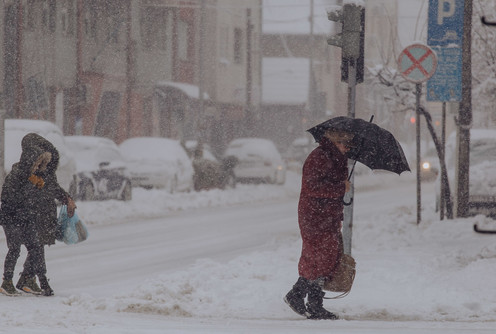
(438, 271)
(435, 277)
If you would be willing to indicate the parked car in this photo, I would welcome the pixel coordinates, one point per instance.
(16, 129)
(210, 172)
(101, 170)
(482, 175)
(258, 160)
(158, 163)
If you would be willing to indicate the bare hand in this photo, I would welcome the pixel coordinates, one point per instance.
(71, 207)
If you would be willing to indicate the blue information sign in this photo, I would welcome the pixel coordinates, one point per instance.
(445, 37)
(446, 84)
(445, 22)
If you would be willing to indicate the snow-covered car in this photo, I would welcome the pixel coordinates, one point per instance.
(258, 160)
(482, 177)
(101, 169)
(156, 162)
(210, 172)
(16, 129)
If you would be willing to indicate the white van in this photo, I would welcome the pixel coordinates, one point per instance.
(16, 129)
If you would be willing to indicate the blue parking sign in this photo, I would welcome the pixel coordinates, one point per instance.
(446, 84)
(445, 37)
(445, 22)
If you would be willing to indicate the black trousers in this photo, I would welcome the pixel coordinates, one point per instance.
(26, 235)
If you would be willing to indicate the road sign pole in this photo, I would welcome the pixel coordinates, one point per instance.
(417, 63)
(418, 93)
(443, 145)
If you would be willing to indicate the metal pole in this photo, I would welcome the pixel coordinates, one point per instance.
(443, 145)
(311, 88)
(418, 93)
(201, 75)
(249, 78)
(2, 147)
(465, 117)
(348, 210)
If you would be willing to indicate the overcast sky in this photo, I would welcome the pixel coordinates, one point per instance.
(412, 21)
(292, 16)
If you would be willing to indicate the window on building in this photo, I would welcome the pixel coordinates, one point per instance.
(67, 17)
(30, 16)
(52, 15)
(156, 27)
(182, 39)
(108, 114)
(223, 43)
(238, 43)
(90, 20)
(49, 16)
(114, 22)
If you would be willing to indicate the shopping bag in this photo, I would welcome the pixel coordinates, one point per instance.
(342, 277)
(71, 229)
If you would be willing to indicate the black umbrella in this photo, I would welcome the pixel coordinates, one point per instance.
(373, 146)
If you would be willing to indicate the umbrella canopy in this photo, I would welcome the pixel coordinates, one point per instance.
(373, 146)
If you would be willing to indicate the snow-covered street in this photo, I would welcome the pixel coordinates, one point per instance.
(221, 261)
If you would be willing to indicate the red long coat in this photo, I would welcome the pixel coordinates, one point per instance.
(320, 210)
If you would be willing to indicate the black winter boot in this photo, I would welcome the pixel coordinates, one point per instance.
(47, 290)
(7, 288)
(28, 284)
(315, 305)
(295, 298)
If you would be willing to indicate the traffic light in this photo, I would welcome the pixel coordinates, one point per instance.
(351, 38)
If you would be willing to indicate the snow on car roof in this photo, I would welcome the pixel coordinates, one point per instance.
(152, 148)
(244, 147)
(88, 142)
(88, 151)
(31, 125)
(16, 129)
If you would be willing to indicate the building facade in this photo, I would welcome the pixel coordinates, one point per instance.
(126, 68)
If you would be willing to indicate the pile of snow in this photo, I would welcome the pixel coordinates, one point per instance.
(155, 203)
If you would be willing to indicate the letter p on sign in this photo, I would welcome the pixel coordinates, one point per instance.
(443, 12)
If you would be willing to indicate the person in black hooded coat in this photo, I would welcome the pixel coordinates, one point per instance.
(29, 212)
(52, 192)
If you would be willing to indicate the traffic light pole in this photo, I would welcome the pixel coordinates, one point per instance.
(348, 211)
(351, 41)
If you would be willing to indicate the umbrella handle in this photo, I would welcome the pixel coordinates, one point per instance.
(353, 169)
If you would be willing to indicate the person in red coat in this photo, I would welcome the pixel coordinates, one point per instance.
(320, 215)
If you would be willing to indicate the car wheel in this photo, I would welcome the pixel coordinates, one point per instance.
(87, 192)
(126, 194)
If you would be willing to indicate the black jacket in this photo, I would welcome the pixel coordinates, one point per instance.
(23, 202)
